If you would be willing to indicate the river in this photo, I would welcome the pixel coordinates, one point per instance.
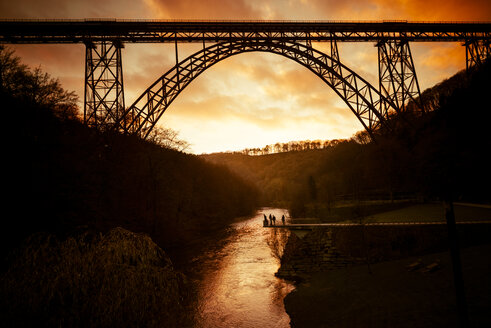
(237, 287)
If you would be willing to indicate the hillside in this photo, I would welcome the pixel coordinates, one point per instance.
(63, 177)
(426, 156)
(279, 177)
(79, 177)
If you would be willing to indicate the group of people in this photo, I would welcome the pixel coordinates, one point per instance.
(272, 220)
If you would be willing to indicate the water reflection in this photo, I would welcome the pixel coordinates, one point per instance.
(238, 287)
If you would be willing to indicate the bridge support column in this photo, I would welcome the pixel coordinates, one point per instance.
(476, 52)
(104, 93)
(397, 74)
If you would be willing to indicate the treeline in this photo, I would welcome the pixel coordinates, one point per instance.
(283, 147)
(63, 176)
(442, 152)
(279, 177)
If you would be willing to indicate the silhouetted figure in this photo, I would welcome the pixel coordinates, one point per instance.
(283, 219)
(270, 220)
(265, 222)
(274, 220)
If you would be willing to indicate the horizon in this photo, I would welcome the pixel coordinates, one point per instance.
(263, 147)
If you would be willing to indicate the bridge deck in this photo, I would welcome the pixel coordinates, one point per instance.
(158, 31)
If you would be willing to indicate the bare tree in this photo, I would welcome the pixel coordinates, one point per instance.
(35, 86)
(167, 138)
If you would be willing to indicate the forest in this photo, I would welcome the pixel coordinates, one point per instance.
(430, 154)
(64, 177)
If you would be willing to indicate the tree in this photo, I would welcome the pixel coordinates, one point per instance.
(362, 137)
(35, 86)
(277, 147)
(167, 138)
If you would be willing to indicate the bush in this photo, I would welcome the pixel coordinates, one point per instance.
(92, 280)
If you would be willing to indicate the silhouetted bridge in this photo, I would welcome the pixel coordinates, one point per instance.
(104, 105)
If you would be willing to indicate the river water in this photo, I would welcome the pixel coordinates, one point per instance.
(237, 287)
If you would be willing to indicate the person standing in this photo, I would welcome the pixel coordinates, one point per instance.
(283, 219)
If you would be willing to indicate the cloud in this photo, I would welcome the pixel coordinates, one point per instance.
(288, 113)
(435, 62)
(402, 9)
(73, 9)
(210, 9)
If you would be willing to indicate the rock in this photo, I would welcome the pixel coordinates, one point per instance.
(415, 265)
(432, 267)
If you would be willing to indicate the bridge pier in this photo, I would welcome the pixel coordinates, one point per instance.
(476, 52)
(397, 75)
(104, 92)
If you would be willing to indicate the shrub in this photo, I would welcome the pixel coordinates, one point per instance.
(92, 280)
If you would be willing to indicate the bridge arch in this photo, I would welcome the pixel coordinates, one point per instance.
(365, 101)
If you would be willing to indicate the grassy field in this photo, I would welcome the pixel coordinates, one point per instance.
(389, 294)
(432, 212)
(380, 211)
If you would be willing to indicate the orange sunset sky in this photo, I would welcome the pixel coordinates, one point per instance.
(249, 100)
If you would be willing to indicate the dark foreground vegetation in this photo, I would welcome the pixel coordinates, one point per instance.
(437, 154)
(118, 279)
(68, 187)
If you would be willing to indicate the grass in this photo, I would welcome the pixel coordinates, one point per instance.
(431, 212)
(393, 212)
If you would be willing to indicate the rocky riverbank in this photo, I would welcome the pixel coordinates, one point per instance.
(328, 248)
(385, 276)
(412, 292)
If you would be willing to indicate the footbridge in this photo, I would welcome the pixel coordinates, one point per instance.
(104, 39)
(301, 229)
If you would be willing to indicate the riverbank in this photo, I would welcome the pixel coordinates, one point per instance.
(389, 294)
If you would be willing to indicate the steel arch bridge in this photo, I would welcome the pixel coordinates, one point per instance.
(104, 105)
(362, 98)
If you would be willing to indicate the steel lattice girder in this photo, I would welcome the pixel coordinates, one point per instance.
(397, 74)
(104, 93)
(155, 31)
(365, 101)
(476, 51)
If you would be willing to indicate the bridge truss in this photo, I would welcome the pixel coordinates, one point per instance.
(362, 98)
(104, 106)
